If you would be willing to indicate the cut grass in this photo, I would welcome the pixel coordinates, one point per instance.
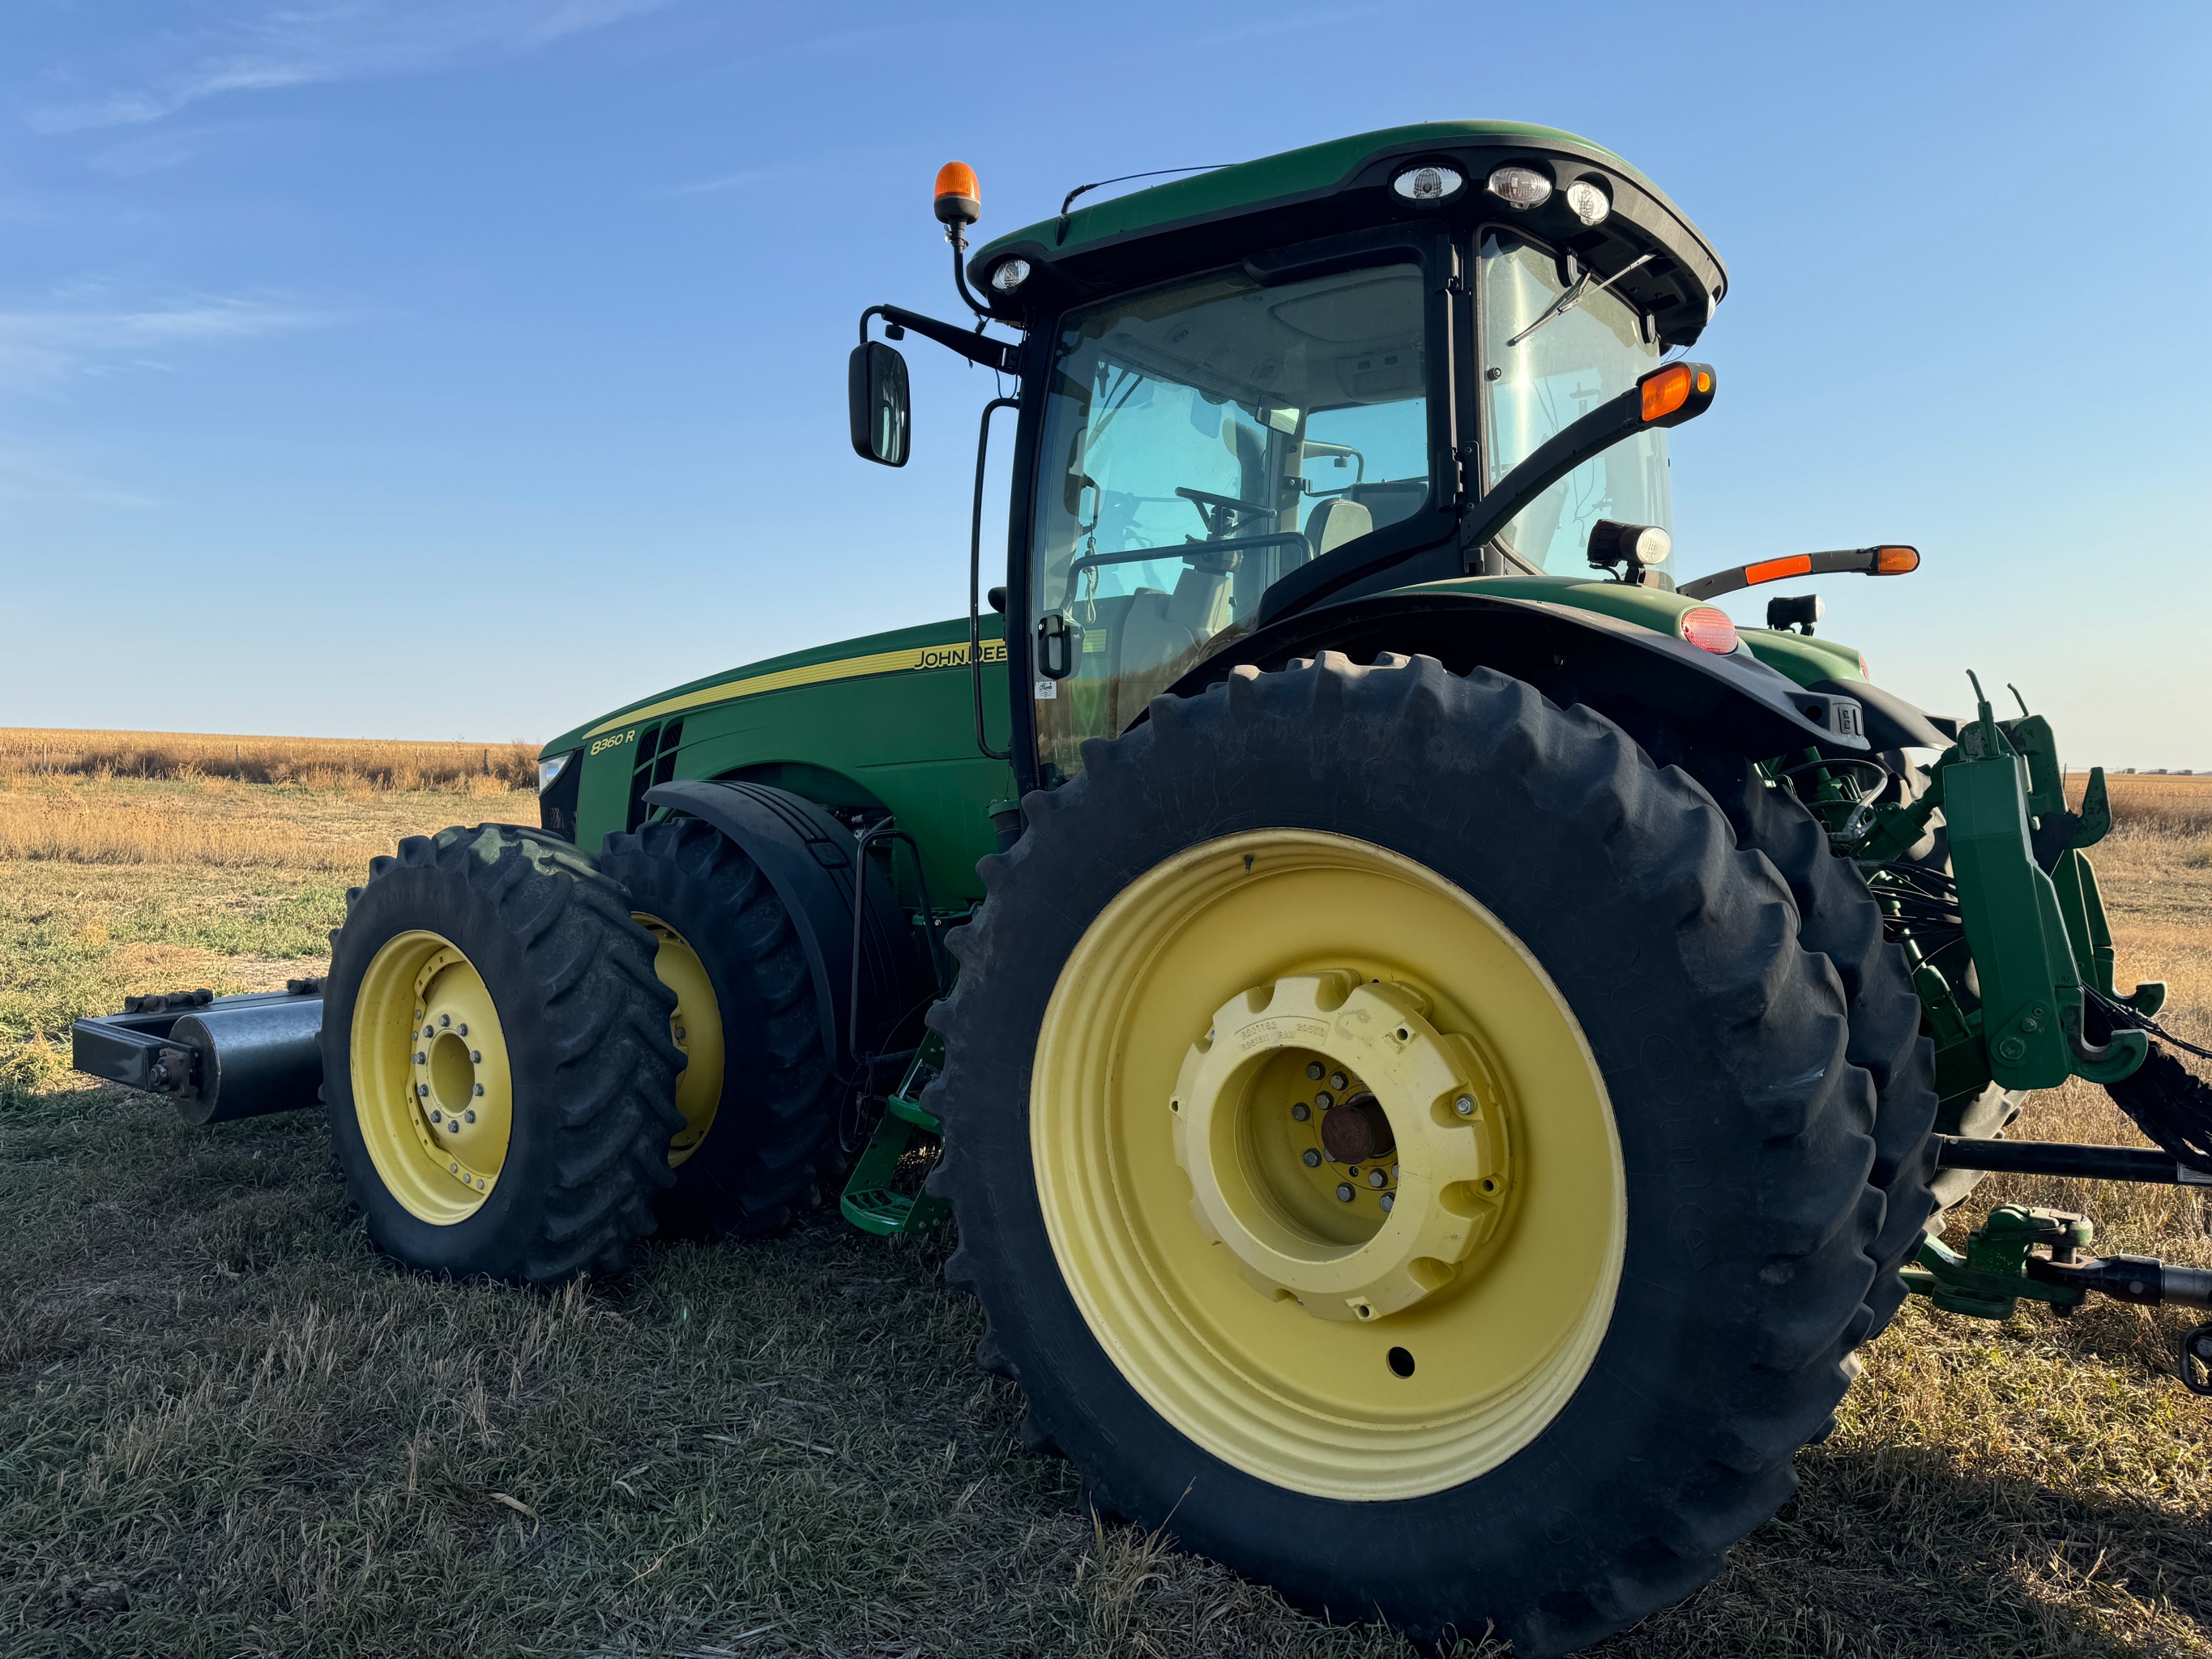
(227, 1427)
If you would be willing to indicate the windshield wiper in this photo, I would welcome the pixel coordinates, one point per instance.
(1574, 296)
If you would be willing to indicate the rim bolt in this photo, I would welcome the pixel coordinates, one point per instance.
(453, 1168)
(470, 1115)
(1343, 1192)
(479, 1088)
(479, 1183)
(1314, 1070)
(1337, 1080)
(1387, 1200)
(1301, 1111)
(421, 1058)
(1313, 1158)
(1376, 1178)
(1324, 1100)
(1464, 1105)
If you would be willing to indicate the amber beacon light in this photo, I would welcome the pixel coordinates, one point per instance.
(959, 198)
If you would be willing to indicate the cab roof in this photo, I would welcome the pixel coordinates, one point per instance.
(1343, 185)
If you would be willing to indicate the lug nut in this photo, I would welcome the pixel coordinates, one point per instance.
(1387, 1200)
(423, 1090)
(445, 1019)
(1464, 1105)
(1314, 1070)
(435, 1115)
(1301, 1111)
(421, 1058)
(1337, 1080)
(1313, 1158)
(429, 1030)
(1343, 1192)
(462, 1028)
(475, 1056)
(479, 1088)
(1376, 1178)
(1324, 1100)
(469, 1116)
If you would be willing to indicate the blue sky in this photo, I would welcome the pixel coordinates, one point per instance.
(466, 368)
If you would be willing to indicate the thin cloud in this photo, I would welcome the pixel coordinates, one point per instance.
(38, 347)
(298, 45)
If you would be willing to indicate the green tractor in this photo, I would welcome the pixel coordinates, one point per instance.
(1438, 1047)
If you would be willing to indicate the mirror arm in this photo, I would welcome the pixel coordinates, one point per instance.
(1549, 462)
(975, 587)
(1001, 355)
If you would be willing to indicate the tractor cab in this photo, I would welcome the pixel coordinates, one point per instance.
(1434, 362)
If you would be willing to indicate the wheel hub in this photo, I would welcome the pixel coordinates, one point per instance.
(463, 1100)
(1352, 1157)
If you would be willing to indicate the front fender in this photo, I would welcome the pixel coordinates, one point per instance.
(1572, 655)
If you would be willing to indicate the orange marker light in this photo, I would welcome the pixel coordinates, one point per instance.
(1773, 570)
(1666, 391)
(959, 198)
(1895, 560)
(1675, 393)
(1709, 629)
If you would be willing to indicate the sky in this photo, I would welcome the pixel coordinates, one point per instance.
(467, 368)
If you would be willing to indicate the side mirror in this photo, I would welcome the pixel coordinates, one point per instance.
(876, 387)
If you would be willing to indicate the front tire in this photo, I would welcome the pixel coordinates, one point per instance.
(758, 1097)
(496, 1059)
(1546, 1404)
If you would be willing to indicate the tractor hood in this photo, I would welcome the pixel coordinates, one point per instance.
(1218, 217)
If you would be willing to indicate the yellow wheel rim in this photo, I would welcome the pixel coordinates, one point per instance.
(696, 1027)
(432, 1090)
(1397, 1341)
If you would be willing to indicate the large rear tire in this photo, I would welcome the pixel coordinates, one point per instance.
(1837, 917)
(496, 1059)
(758, 1097)
(1550, 1385)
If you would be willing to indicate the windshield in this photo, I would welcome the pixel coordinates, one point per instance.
(1560, 370)
(1201, 440)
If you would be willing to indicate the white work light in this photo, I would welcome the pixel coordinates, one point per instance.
(1520, 187)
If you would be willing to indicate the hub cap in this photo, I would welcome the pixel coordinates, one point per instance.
(431, 1087)
(1326, 1164)
(1411, 1180)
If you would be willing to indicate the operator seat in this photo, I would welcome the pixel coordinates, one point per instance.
(1335, 522)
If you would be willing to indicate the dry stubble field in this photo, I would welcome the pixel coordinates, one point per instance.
(227, 1427)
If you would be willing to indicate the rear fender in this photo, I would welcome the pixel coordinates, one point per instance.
(1572, 656)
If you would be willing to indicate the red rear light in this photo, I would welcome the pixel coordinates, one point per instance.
(1709, 629)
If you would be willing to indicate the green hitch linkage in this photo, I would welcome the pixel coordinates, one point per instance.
(2001, 1268)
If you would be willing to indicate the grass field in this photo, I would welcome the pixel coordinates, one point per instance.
(227, 1427)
